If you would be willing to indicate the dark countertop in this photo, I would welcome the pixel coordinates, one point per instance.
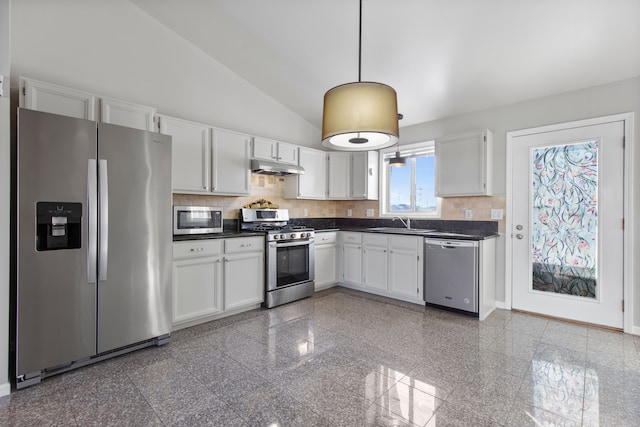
(460, 235)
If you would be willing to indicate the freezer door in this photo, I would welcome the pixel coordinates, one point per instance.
(134, 292)
(55, 318)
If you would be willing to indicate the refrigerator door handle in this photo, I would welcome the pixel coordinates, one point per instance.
(103, 182)
(92, 213)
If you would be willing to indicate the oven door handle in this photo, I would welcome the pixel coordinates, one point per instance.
(296, 243)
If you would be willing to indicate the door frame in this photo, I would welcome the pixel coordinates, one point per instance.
(628, 247)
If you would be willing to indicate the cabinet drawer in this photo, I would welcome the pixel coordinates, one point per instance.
(348, 237)
(197, 248)
(326, 238)
(375, 240)
(243, 244)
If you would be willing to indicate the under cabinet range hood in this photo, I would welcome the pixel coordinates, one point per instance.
(266, 167)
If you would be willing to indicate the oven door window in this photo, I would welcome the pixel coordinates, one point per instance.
(293, 265)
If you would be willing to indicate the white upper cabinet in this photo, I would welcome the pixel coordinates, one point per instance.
(464, 164)
(127, 114)
(230, 172)
(364, 175)
(55, 99)
(352, 175)
(207, 160)
(339, 175)
(313, 183)
(190, 152)
(268, 149)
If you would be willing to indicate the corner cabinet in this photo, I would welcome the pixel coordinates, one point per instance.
(216, 278)
(207, 160)
(464, 164)
(312, 184)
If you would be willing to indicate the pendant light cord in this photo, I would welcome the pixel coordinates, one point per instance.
(360, 44)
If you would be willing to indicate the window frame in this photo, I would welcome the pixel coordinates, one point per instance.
(409, 150)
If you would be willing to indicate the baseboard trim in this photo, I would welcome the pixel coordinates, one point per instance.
(5, 389)
(502, 305)
(635, 330)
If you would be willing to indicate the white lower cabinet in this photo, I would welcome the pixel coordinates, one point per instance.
(217, 277)
(197, 279)
(405, 266)
(374, 261)
(388, 265)
(243, 272)
(351, 262)
(326, 260)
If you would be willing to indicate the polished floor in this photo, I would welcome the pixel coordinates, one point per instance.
(347, 358)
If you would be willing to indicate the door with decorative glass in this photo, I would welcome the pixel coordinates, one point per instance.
(567, 225)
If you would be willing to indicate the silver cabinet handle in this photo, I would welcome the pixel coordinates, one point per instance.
(196, 249)
(519, 236)
(245, 245)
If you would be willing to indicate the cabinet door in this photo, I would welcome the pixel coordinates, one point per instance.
(352, 263)
(325, 268)
(405, 266)
(374, 266)
(231, 170)
(264, 149)
(364, 175)
(313, 183)
(463, 164)
(127, 114)
(243, 279)
(197, 288)
(339, 175)
(287, 153)
(190, 154)
(50, 98)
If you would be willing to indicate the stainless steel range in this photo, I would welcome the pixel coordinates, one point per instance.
(289, 260)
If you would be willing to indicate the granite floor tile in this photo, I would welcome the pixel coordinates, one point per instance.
(347, 358)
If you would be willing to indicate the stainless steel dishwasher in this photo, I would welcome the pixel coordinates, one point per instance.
(451, 273)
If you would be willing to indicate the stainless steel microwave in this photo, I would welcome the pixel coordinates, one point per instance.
(197, 220)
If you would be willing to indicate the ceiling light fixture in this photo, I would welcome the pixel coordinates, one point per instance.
(360, 116)
(397, 160)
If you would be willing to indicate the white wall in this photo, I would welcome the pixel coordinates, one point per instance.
(614, 98)
(113, 48)
(5, 180)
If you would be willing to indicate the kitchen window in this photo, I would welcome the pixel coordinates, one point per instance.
(409, 190)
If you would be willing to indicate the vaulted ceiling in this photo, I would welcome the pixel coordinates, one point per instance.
(443, 57)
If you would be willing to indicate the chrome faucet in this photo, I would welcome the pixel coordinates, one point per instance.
(406, 224)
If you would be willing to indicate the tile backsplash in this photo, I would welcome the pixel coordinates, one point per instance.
(272, 188)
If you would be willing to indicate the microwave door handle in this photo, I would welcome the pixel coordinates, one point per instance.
(92, 223)
(103, 181)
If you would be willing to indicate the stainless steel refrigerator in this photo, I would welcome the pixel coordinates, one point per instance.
(93, 243)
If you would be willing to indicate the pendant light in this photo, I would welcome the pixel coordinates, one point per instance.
(397, 160)
(360, 116)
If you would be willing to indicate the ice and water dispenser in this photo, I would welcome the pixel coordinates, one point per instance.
(58, 225)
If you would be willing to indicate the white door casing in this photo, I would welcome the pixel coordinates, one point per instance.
(613, 249)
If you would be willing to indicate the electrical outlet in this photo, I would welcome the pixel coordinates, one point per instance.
(305, 212)
(369, 212)
(496, 214)
(468, 214)
(349, 212)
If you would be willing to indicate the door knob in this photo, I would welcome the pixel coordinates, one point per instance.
(519, 236)
(518, 227)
